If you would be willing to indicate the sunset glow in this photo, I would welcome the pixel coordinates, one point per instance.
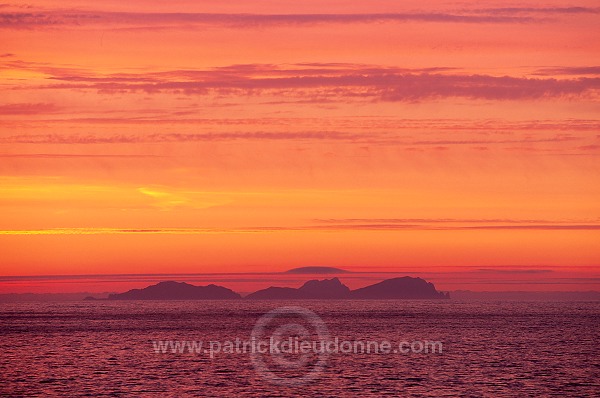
(460, 142)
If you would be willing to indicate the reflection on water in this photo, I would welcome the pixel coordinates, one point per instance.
(492, 349)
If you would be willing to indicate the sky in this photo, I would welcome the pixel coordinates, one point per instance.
(459, 141)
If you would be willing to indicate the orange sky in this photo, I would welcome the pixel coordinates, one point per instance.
(257, 136)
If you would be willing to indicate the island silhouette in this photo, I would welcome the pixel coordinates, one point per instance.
(396, 288)
(171, 290)
(399, 288)
(314, 289)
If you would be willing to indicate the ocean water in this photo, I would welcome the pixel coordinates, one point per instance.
(495, 349)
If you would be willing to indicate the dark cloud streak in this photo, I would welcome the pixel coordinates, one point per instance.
(320, 83)
(28, 108)
(370, 84)
(371, 138)
(572, 70)
(58, 18)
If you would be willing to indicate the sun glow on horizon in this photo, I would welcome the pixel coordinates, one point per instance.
(207, 137)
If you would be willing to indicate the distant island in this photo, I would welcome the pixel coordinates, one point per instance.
(396, 288)
(326, 289)
(317, 270)
(177, 291)
(399, 288)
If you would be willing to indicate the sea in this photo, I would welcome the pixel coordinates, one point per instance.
(302, 348)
